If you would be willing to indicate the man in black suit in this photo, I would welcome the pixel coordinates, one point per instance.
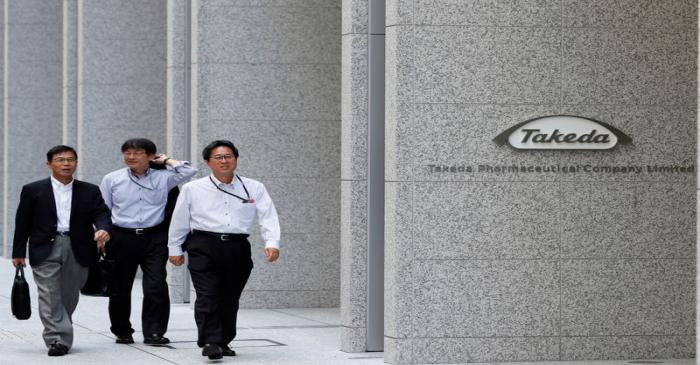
(57, 216)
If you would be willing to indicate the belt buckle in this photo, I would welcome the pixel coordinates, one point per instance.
(139, 231)
(224, 237)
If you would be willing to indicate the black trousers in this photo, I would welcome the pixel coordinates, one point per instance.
(219, 270)
(150, 251)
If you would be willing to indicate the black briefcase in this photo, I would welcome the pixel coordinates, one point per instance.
(100, 276)
(20, 301)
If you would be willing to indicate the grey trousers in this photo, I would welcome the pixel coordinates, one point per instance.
(58, 280)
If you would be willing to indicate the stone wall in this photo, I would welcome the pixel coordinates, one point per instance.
(488, 266)
(266, 75)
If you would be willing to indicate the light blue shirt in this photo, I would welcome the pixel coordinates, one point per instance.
(140, 202)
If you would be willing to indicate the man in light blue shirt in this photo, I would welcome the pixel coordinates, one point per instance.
(137, 196)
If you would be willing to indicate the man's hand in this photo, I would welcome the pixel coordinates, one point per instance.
(101, 236)
(177, 260)
(272, 254)
(18, 261)
(163, 159)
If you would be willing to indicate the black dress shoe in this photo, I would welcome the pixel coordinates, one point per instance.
(156, 339)
(126, 339)
(57, 349)
(227, 351)
(213, 352)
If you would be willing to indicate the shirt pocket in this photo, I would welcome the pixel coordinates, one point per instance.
(244, 212)
(154, 197)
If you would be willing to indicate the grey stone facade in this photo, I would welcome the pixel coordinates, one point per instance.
(32, 97)
(479, 266)
(353, 223)
(485, 267)
(183, 72)
(267, 76)
(121, 80)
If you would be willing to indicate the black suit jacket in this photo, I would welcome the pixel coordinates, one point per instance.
(36, 221)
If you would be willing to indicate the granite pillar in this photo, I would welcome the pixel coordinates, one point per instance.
(497, 265)
(70, 72)
(177, 116)
(121, 90)
(3, 245)
(267, 77)
(31, 98)
(353, 222)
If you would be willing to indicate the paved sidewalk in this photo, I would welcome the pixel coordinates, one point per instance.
(288, 336)
(280, 336)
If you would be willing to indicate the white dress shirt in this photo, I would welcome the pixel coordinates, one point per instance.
(63, 195)
(203, 207)
(139, 202)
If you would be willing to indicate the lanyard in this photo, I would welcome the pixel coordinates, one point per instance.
(137, 183)
(248, 200)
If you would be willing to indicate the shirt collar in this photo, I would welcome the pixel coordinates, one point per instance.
(148, 171)
(61, 186)
(219, 183)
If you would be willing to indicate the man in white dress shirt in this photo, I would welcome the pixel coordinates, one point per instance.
(214, 216)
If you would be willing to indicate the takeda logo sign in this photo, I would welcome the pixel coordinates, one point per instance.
(562, 132)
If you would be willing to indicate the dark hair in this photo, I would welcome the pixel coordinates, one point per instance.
(206, 152)
(55, 150)
(140, 144)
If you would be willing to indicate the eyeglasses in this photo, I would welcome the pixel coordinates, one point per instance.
(64, 159)
(134, 153)
(223, 157)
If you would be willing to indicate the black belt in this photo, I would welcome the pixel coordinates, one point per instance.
(137, 230)
(222, 236)
(62, 233)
